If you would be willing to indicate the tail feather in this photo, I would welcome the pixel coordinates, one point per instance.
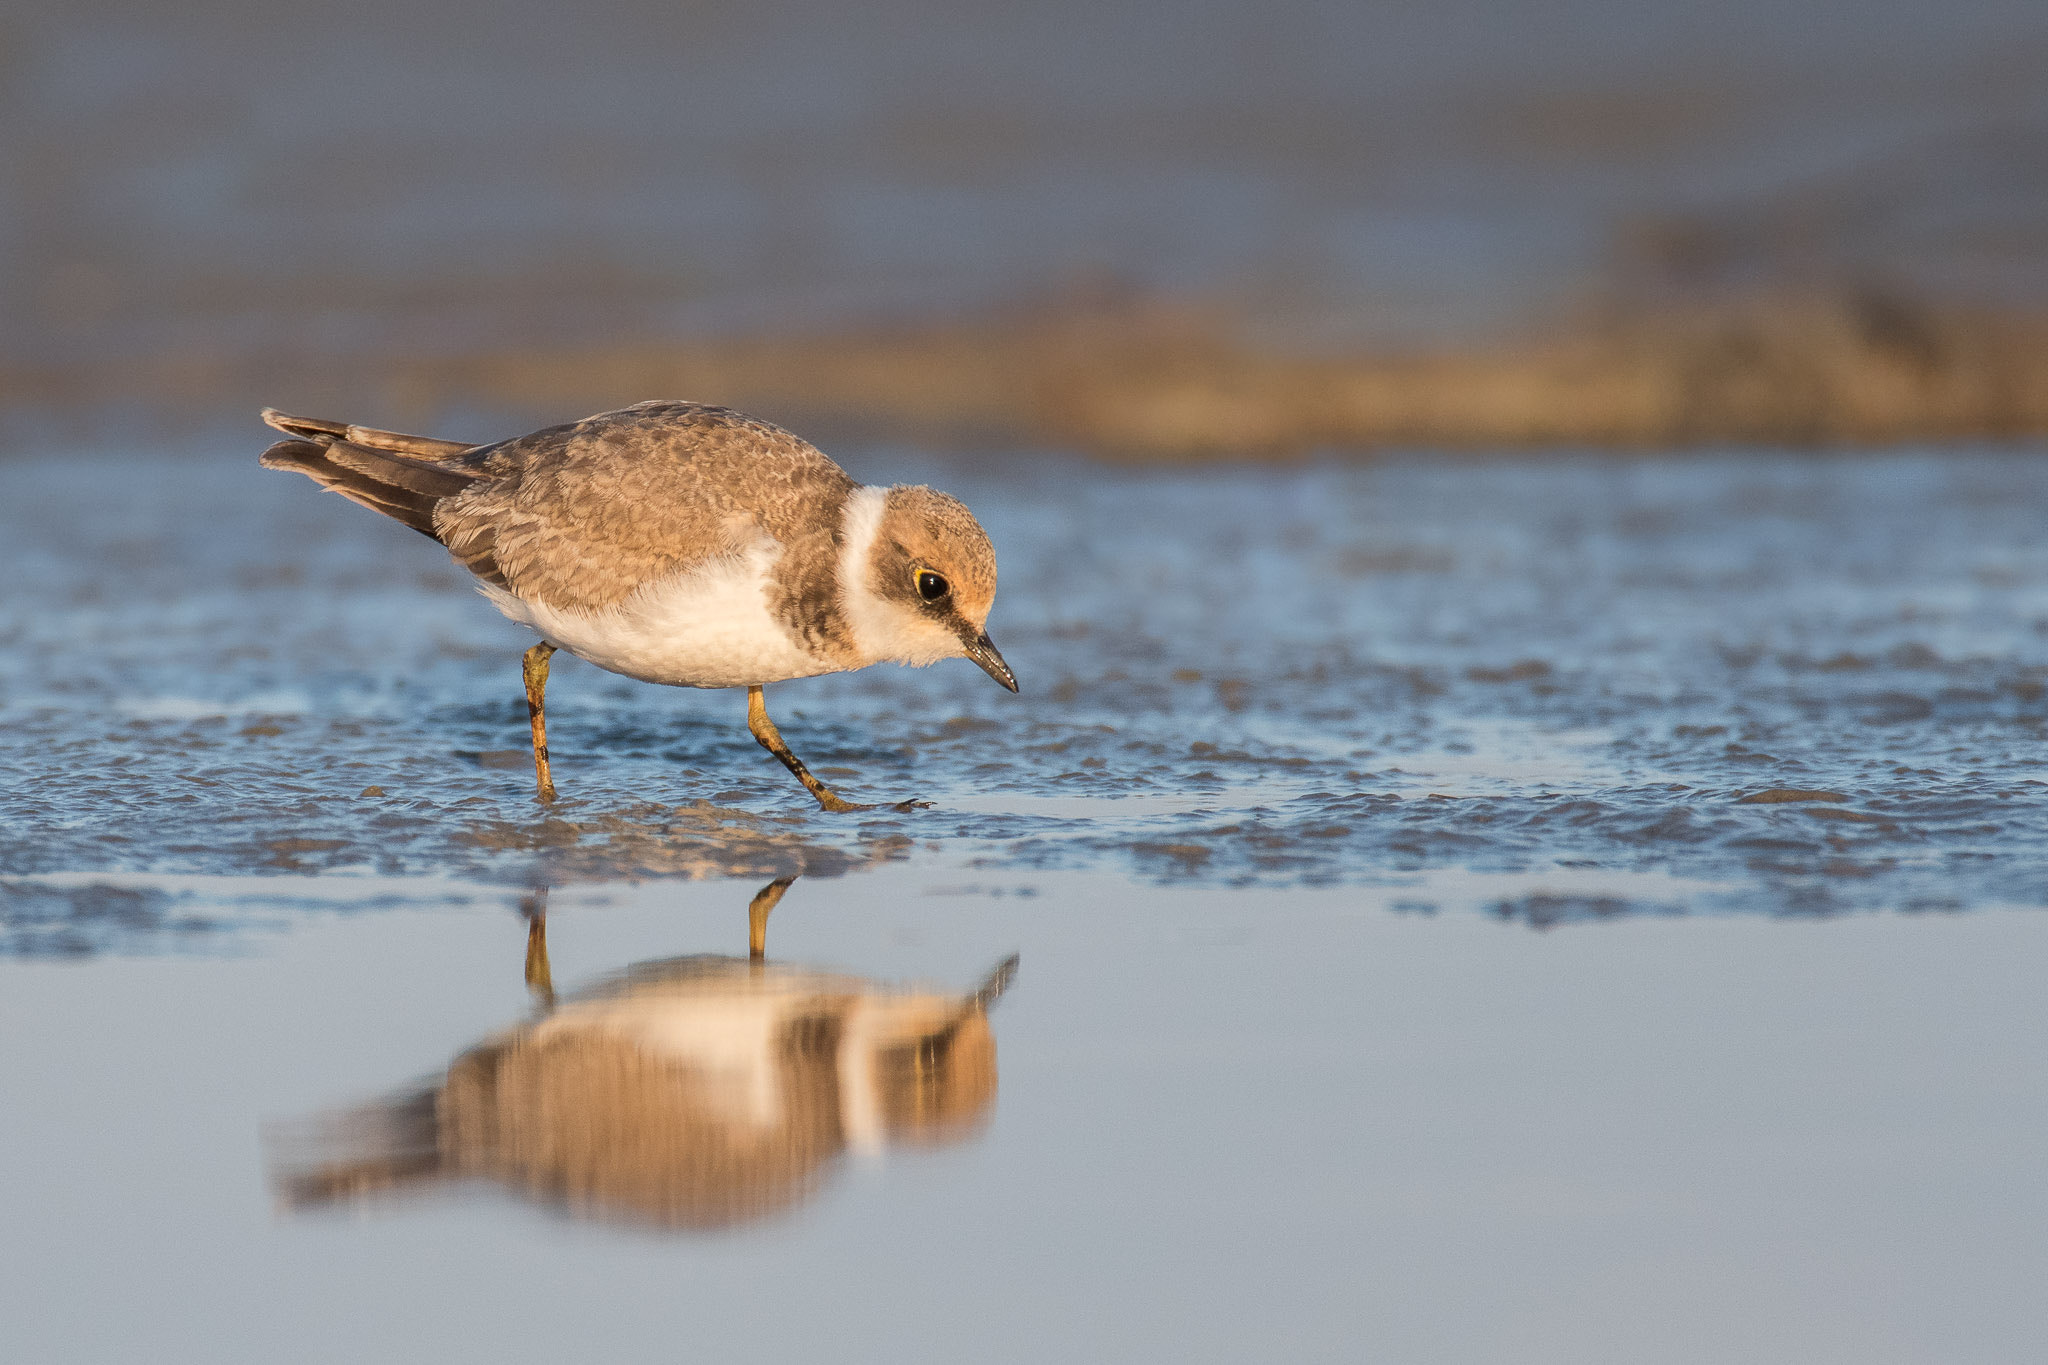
(401, 476)
(332, 1158)
(382, 485)
(397, 442)
(305, 428)
(399, 471)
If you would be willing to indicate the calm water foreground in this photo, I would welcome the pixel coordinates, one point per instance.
(1303, 758)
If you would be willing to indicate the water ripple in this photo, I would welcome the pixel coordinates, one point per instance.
(1316, 675)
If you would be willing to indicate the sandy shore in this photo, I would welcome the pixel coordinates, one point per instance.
(1162, 382)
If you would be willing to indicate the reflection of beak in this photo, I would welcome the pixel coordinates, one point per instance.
(982, 650)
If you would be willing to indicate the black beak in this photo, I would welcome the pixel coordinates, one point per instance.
(982, 650)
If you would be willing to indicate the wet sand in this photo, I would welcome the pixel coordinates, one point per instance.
(1573, 677)
(1160, 382)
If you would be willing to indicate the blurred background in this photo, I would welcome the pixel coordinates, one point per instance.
(1128, 227)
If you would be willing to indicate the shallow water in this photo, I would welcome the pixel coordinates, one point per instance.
(1301, 758)
(1230, 1125)
(1545, 688)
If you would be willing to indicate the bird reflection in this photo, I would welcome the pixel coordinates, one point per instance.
(693, 1093)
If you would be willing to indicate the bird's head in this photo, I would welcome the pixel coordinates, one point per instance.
(928, 584)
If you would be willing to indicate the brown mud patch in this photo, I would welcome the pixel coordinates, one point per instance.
(1170, 382)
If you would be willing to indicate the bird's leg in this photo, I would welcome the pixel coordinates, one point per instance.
(757, 916)
(535, 669)
(539, 979)
(771, 740)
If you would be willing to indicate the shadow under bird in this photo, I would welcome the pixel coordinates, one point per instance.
(683, 544)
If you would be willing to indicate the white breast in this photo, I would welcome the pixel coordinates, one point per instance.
(724, 1040)
(707, 628)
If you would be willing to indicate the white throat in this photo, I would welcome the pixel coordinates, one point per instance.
(881, 629)
(867, 616)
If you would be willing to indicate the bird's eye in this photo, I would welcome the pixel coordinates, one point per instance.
(930, 586)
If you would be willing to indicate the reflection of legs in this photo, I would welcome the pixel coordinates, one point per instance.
(535, 667)
(539, 979)
(771, 740)
(757, 916)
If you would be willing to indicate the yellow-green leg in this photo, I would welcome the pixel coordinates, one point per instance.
(757, 916)
(771, 740)
(535, 669)
(540, 979)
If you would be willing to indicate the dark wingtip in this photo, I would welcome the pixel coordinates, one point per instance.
(290, 455)
(305, 428)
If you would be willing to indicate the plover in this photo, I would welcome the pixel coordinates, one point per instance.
(693, 1093)
(680, 543)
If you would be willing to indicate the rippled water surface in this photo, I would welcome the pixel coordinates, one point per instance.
(1197, 1018)
(1560, 688)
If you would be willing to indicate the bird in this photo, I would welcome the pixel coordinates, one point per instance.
(689, 1094)
(680, 543)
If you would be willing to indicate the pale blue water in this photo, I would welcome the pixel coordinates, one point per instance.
(1562, 674)
(1303, 756)
(1231, 1125)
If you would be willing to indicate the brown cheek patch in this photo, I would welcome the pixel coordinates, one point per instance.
(889, 569)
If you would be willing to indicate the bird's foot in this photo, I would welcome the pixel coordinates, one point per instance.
(839, 805)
